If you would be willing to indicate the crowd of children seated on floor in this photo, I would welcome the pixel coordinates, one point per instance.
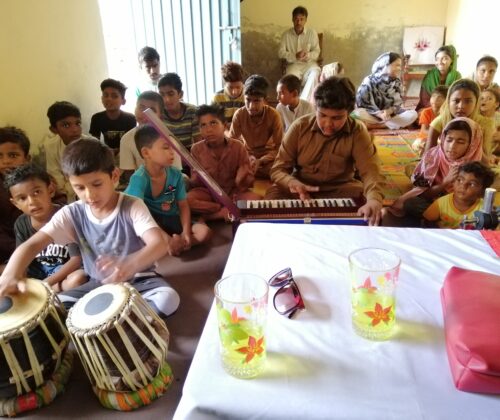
(236, 139)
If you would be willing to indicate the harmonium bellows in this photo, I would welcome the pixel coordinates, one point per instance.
(315, 211)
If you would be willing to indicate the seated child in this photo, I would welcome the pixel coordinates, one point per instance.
(225, 160)
(434, 176)
(488, 107)
(290, 105)
(112, 123)
(32, 190)
(180, 117)
(438, 96)
(119, 241)
(231, 97)
(467, 196)
(14, 152)
(258, 125)
(149, 66)
(162, 188)
(130, 158)
(65, 121)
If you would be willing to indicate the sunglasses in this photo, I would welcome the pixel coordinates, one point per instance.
(287, 300)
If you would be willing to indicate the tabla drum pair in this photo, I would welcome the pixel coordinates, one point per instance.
(123, 346)
(35, 362)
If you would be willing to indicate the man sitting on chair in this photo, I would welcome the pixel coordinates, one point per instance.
(300, 48)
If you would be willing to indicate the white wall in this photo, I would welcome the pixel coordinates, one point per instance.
(51, 50)
(473, 27)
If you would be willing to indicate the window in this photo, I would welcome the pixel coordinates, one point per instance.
(193, 37)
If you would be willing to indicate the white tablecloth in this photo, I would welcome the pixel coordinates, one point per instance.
(317, 366)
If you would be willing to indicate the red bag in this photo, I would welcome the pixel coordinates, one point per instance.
(471, 309)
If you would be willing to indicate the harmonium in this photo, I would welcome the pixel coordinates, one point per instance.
(326, 211)
(338, 211)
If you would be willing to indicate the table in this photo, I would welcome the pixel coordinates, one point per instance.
(317, 366)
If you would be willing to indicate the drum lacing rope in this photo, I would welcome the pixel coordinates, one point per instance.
(86, 342)
(19, 376)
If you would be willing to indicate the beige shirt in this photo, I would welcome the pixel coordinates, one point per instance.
(233, 163)
(53, 150)
(308, 155)
(262, 135)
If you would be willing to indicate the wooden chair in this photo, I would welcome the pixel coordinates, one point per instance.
(319, 60)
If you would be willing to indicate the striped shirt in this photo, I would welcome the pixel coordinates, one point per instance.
(229, 104)
(185, 128)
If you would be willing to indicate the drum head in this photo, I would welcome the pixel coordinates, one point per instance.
(17, 310)
(99, 306)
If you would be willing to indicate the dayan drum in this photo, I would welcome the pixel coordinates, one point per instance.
(122, 344)
(34, 361)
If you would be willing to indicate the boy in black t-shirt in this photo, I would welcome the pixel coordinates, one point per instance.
(112, 123)
(31, 190)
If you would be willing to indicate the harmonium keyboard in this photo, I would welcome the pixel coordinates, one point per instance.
(327, 211)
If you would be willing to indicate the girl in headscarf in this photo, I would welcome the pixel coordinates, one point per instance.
(462, 100)
(379, 100)
(444, 73)
(461, 142)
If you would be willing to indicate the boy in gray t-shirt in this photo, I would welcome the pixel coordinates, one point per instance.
(118, 239)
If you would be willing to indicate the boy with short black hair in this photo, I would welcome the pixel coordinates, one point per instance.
(291, 106)
(226, 160)
(180, 117)
(162, 188)
(66, 122)
(149, 64)
(467, 197)
(118, 239)
(14, 152)
(130, 158)
(112, 123)
(321, 152)
(31, 191)
(258, 125)
(231, 97)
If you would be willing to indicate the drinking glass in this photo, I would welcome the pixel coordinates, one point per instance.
(374, 275)
(241, 301)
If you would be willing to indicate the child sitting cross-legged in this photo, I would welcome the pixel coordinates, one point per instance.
(162, 188)
(14, 152)
(290, 105)
(227, 162)
(112, 123)
(258, 125)
(32, 190)
(231, 97)
(118, 239)
(468, 189)
(438, 96)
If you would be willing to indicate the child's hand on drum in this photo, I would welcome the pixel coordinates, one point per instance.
(11, 285)
(114, 269)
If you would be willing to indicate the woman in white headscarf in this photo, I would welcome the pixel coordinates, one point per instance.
(378, 100)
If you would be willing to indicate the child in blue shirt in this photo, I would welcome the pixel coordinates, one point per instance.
(162, 188)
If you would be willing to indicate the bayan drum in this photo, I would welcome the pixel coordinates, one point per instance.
(122, 344)
(34, 363)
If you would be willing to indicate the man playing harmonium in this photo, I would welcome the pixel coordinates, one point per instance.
(320, 152)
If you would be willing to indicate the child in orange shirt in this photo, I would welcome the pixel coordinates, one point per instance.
(438, 96)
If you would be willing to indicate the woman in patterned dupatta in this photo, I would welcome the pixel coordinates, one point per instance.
(444, 73)
(378, 100)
